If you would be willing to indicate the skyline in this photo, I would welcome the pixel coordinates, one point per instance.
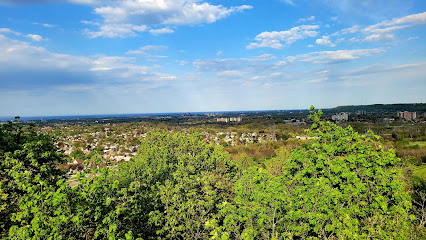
(87, 57)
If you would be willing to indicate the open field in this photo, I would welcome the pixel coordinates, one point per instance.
(420, 171)
(421, 144)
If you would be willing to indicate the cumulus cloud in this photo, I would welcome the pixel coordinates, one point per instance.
(128, 13)
(277, 39)
(325, 41)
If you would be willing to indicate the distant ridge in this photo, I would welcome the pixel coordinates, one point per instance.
(411, 107)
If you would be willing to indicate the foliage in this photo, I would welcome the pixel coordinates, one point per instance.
(27, 164)
(182, 180)
(257, 211)
(344, 185)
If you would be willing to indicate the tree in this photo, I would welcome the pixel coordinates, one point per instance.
(345, 185)
(27, 163)
(257, 211)
(180, 180)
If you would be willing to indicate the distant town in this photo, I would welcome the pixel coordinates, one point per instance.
(101, 142)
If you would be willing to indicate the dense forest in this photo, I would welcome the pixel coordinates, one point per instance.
(338, 185)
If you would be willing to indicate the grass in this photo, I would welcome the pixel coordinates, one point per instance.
(420, 171)
(421, 144)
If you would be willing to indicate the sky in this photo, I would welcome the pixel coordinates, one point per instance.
(76, 57)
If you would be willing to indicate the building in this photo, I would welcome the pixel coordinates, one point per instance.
(231, 119)
(361, 112)
(407, 115)
(340, 116)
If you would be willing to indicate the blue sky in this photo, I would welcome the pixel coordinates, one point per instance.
(71, 57)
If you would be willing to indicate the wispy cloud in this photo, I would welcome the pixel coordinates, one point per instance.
(34, 37)
(46, 25)
(116, 31)
(146, 51)
(311, 18)
(334, 56)
(160, 31)
(383, 30)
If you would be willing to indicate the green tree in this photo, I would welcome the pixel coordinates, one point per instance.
(181, 181)
(344, 185)
(27, 163)
(257, 211)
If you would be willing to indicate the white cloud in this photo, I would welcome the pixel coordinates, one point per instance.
(156, 32)
(35, 37)
(310, 46)
(145, 51)
(23, 66)
(182, 62)
(340, 40)
(354, 39)
(318, 80)
(274, 39)
(9, 31)
(230, 74)
(87, 2)
(90, 23)
(382, 31)
(325, 41)
(288, 2)
(116, 30)
(311, 18)
(258, 78)
(352, 29)
(412, 38)
(46, 25)
(127, 13)
(378, 37)
(398, 23)
(334, 56)
(231, 64)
